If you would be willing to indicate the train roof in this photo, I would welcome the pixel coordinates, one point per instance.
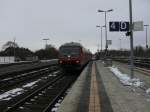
(75, 44)
(72, 44)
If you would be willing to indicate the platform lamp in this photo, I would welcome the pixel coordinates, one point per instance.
(101, 27)
(46, 39)
(146, 35)
(110, 10)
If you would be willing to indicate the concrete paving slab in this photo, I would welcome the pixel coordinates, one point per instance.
(77, 99)
(122, 98)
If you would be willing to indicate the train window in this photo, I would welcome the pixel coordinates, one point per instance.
(72, 51)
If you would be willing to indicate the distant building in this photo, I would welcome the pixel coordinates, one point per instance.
(7, 59)
(32, 58)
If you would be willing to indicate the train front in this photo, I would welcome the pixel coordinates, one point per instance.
(70, 57)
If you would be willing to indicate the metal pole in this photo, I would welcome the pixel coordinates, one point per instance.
(106, 46)
(106, 31)
(101, 37)
(46, 42)
(98, 47)
(131, 40)
(146, 38)
(14, 50)
(120, 45)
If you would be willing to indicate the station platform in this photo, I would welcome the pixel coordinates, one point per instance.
(97, 89)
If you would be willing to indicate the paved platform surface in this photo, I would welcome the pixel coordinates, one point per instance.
(99, 90)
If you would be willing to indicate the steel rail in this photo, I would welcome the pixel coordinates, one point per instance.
(144, 71)
(51, 104)
(24, 69)
(22, 101)
(137, 62)
(22, 78)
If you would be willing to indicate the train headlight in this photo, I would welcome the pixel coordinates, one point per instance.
(60, 62)
(77, 61)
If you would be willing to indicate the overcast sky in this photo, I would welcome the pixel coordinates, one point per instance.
(29, 21)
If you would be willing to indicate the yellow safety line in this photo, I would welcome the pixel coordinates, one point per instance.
(94, 102)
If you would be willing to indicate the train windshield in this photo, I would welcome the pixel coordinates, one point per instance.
(71, 51)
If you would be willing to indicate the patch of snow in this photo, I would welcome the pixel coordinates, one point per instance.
(57, 104)
(148, 91)
(49, 60)
(36, 97)
(56, 72)
(52, 75)
(125, 79)
(21, 107)
(148, 100)
(30, 84)
(12, 93)
(28, 103)
(32, 99)
(17, 91)
(40, 94)
(54, 109)
(7, 79)
(59, 100)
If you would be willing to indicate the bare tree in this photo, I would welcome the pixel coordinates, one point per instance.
(9, 44)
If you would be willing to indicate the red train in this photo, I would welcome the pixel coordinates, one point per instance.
(73, 56)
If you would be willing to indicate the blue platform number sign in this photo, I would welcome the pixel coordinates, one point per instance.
(118, 26)
(124, 26)
(114, 26)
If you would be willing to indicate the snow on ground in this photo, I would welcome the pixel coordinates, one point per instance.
(12, 93)
(48, 60)
(17, 91)
(55, 108)
(30, 84)
(125, 79)
(148, 91)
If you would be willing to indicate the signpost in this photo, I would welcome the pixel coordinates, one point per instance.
(122, 26)
(114, 26)
(138, 26)
(109, 42)
(129, 27)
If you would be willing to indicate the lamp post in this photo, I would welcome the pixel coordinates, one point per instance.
(105, 25)
(79, 41)
(14, 49)
(131, 40)
(120, 44)
(101, 35)
(146, 35)
(46, 39)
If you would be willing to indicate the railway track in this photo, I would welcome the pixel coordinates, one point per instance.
(9, 82)
(143, 70)
(138, 62)
(141, 65)
(25, 68)
(43, 98)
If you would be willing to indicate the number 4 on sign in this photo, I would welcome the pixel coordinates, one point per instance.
(114, 26)
(119, 26)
